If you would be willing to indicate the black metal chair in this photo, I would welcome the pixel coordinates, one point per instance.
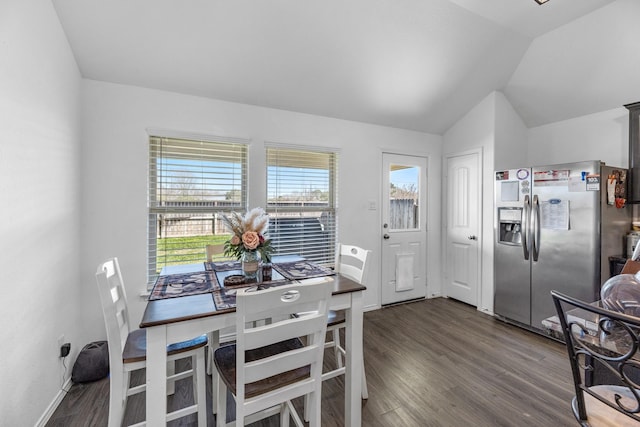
(605, 341)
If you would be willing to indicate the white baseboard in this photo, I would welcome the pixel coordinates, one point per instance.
(44, 419)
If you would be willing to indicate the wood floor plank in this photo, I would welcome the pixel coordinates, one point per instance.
(428, 363)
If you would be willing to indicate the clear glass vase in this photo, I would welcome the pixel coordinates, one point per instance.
(250, 265)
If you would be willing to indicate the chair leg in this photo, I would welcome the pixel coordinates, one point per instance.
(200, 379)
(221, 416)
(306, 413)
(117, 398)
(209, 355)
(307, 403)
(285, 415)
(214, 343)
(314, 409)
(365, 390)
(194, 376)
(336, 345)
(171, 384)
(293, 414)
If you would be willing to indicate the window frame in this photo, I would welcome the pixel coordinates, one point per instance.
(158, 204)
(331, 208)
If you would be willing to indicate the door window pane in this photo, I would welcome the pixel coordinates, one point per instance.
(404, 201)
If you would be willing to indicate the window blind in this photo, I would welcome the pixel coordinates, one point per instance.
(191, 182)
(301, 202)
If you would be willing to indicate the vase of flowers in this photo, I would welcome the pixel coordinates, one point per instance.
(250, 261)
(248, 242)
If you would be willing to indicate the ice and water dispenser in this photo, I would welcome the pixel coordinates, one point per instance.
(510, 226)
(509, 185)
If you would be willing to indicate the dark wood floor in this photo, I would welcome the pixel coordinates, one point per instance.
(429, 363)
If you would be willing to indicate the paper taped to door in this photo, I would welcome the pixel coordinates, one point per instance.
(404, 271)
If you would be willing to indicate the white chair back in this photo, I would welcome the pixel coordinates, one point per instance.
(277, 304)
(114, 308)
(215, 251)
(351, 261)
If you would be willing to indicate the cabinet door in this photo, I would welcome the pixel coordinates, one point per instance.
(634, 153)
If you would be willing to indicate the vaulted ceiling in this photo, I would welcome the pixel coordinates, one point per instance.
(413, 64)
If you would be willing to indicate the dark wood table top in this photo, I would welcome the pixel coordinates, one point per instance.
(172, 310)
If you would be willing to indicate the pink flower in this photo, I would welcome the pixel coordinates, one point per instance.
(235, 240)
(250, 239)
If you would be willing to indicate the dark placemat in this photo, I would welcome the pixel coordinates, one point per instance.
(222, 276)
(222, 265)
(225, 298)
(180, 285)
(302, 270)
(239, 280)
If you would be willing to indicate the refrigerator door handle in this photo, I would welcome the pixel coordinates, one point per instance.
(536, 228)
(525, 231)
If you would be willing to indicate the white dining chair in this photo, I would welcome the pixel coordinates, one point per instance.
(269, 365)
(127, 351)
(215, 252)
(351, 262)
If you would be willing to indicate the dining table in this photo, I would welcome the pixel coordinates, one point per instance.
(173, 317)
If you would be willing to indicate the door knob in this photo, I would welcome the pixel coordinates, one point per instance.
(385, 237)
(472, 238)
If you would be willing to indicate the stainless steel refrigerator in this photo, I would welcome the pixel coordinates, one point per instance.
(554, 230)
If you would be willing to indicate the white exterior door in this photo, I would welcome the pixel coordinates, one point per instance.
(463, 186)
(404, 228)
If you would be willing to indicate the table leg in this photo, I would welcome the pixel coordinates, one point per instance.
(353, 374)
(156, 376)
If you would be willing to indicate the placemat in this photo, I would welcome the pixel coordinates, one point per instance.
(222, 266)
(239, 281)
(180, 285)
(225, 298)
(302, 270)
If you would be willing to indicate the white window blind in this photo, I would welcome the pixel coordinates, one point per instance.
(191, 182)
(301, 201)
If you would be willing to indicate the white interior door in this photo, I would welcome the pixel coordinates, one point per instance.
(404, 228)
(463, 185)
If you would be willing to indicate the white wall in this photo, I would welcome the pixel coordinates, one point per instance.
(510, 149)
(115, 172)
(601, 136)
(39, 195)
